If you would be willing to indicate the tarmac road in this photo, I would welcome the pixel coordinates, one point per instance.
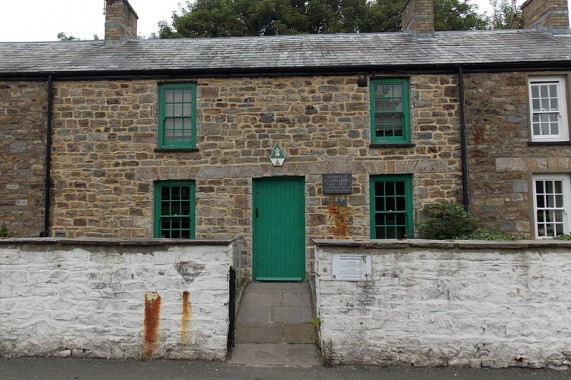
(88, 369)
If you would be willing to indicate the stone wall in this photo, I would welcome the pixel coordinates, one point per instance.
(105, 163)
(114, 299)
(23, 114)
(433, 303)
(500, 159)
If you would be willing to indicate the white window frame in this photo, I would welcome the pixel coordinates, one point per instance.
(561, 110)
(565, 207)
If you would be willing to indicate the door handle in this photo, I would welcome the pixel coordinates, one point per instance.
(257, 212)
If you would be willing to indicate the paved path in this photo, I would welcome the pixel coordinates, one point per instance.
(95, 369)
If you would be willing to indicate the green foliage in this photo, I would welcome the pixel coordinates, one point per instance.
(64, 37)
(232, 18)
(457, 15)
(446, 220)
(483, 233)
(327, 353)
(3, 230)
(563, 237)
(505, 15)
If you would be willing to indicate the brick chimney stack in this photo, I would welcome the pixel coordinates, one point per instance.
(418, 18)
(120, 22)
(552, 15)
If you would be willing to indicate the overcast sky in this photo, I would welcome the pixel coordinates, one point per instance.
(42, 20)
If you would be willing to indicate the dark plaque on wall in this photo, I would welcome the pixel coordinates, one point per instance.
(337, 183)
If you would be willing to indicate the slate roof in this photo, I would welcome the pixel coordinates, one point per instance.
(289, 53)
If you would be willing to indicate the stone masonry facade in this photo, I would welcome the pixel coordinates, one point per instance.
(23, 115)
(501, 160)
(105, 159)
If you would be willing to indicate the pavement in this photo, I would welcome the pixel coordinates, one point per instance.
(96, 369)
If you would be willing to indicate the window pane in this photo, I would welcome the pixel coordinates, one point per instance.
(169, 110)
(178, 96)
(169, 96)
(187, 96)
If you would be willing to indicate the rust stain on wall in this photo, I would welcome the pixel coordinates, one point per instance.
(151, 324)
(185, 318)
(340, 216)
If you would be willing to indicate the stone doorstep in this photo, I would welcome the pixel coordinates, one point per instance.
(288, 333)
(275, 355)
(273, 314)
(276, 299)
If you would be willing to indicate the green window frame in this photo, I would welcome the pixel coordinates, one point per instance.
(177, 116)
(174, 209)
(390, 113)
(391, 207)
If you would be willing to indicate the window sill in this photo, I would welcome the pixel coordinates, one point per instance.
(174, 150)
(548, 143)
(392, 145)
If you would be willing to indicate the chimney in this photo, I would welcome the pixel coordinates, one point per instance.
(418, 18)
(552, 15)
(120, 22)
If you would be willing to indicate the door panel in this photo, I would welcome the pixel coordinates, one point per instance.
(279, 229)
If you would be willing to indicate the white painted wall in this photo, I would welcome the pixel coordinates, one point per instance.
(449, 303)
(87, 298)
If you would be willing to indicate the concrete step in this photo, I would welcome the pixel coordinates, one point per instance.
(289, 333)
(273, 355)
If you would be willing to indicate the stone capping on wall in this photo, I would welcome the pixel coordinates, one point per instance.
(443, 244)
(116, 242)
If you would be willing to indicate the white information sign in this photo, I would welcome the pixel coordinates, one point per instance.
(351, 267)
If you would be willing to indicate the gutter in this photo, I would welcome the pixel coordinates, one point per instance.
(196, 73)
(463, 142)
(48, 179)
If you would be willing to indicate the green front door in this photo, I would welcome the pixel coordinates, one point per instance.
(279, 229)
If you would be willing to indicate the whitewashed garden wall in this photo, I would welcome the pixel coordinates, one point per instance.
(492, 304)
(114, 298)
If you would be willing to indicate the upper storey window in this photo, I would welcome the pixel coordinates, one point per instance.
(548, 109)
(177, 116)
(390, 111)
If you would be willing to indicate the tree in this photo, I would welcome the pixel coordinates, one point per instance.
(505, 15)
(64, 37)
(228, 18)
(457, 15)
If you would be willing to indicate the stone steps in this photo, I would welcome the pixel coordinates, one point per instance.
(276, 313)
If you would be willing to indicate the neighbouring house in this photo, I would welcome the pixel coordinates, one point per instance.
(282, 140)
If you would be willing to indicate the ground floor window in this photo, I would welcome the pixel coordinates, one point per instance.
(174, 209)
(552, 199)
(391, 207)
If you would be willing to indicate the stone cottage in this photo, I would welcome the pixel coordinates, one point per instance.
(281, 140)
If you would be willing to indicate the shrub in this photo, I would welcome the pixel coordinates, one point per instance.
(446, 220)
(3, 230)
(483, 233)
(563, 237)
